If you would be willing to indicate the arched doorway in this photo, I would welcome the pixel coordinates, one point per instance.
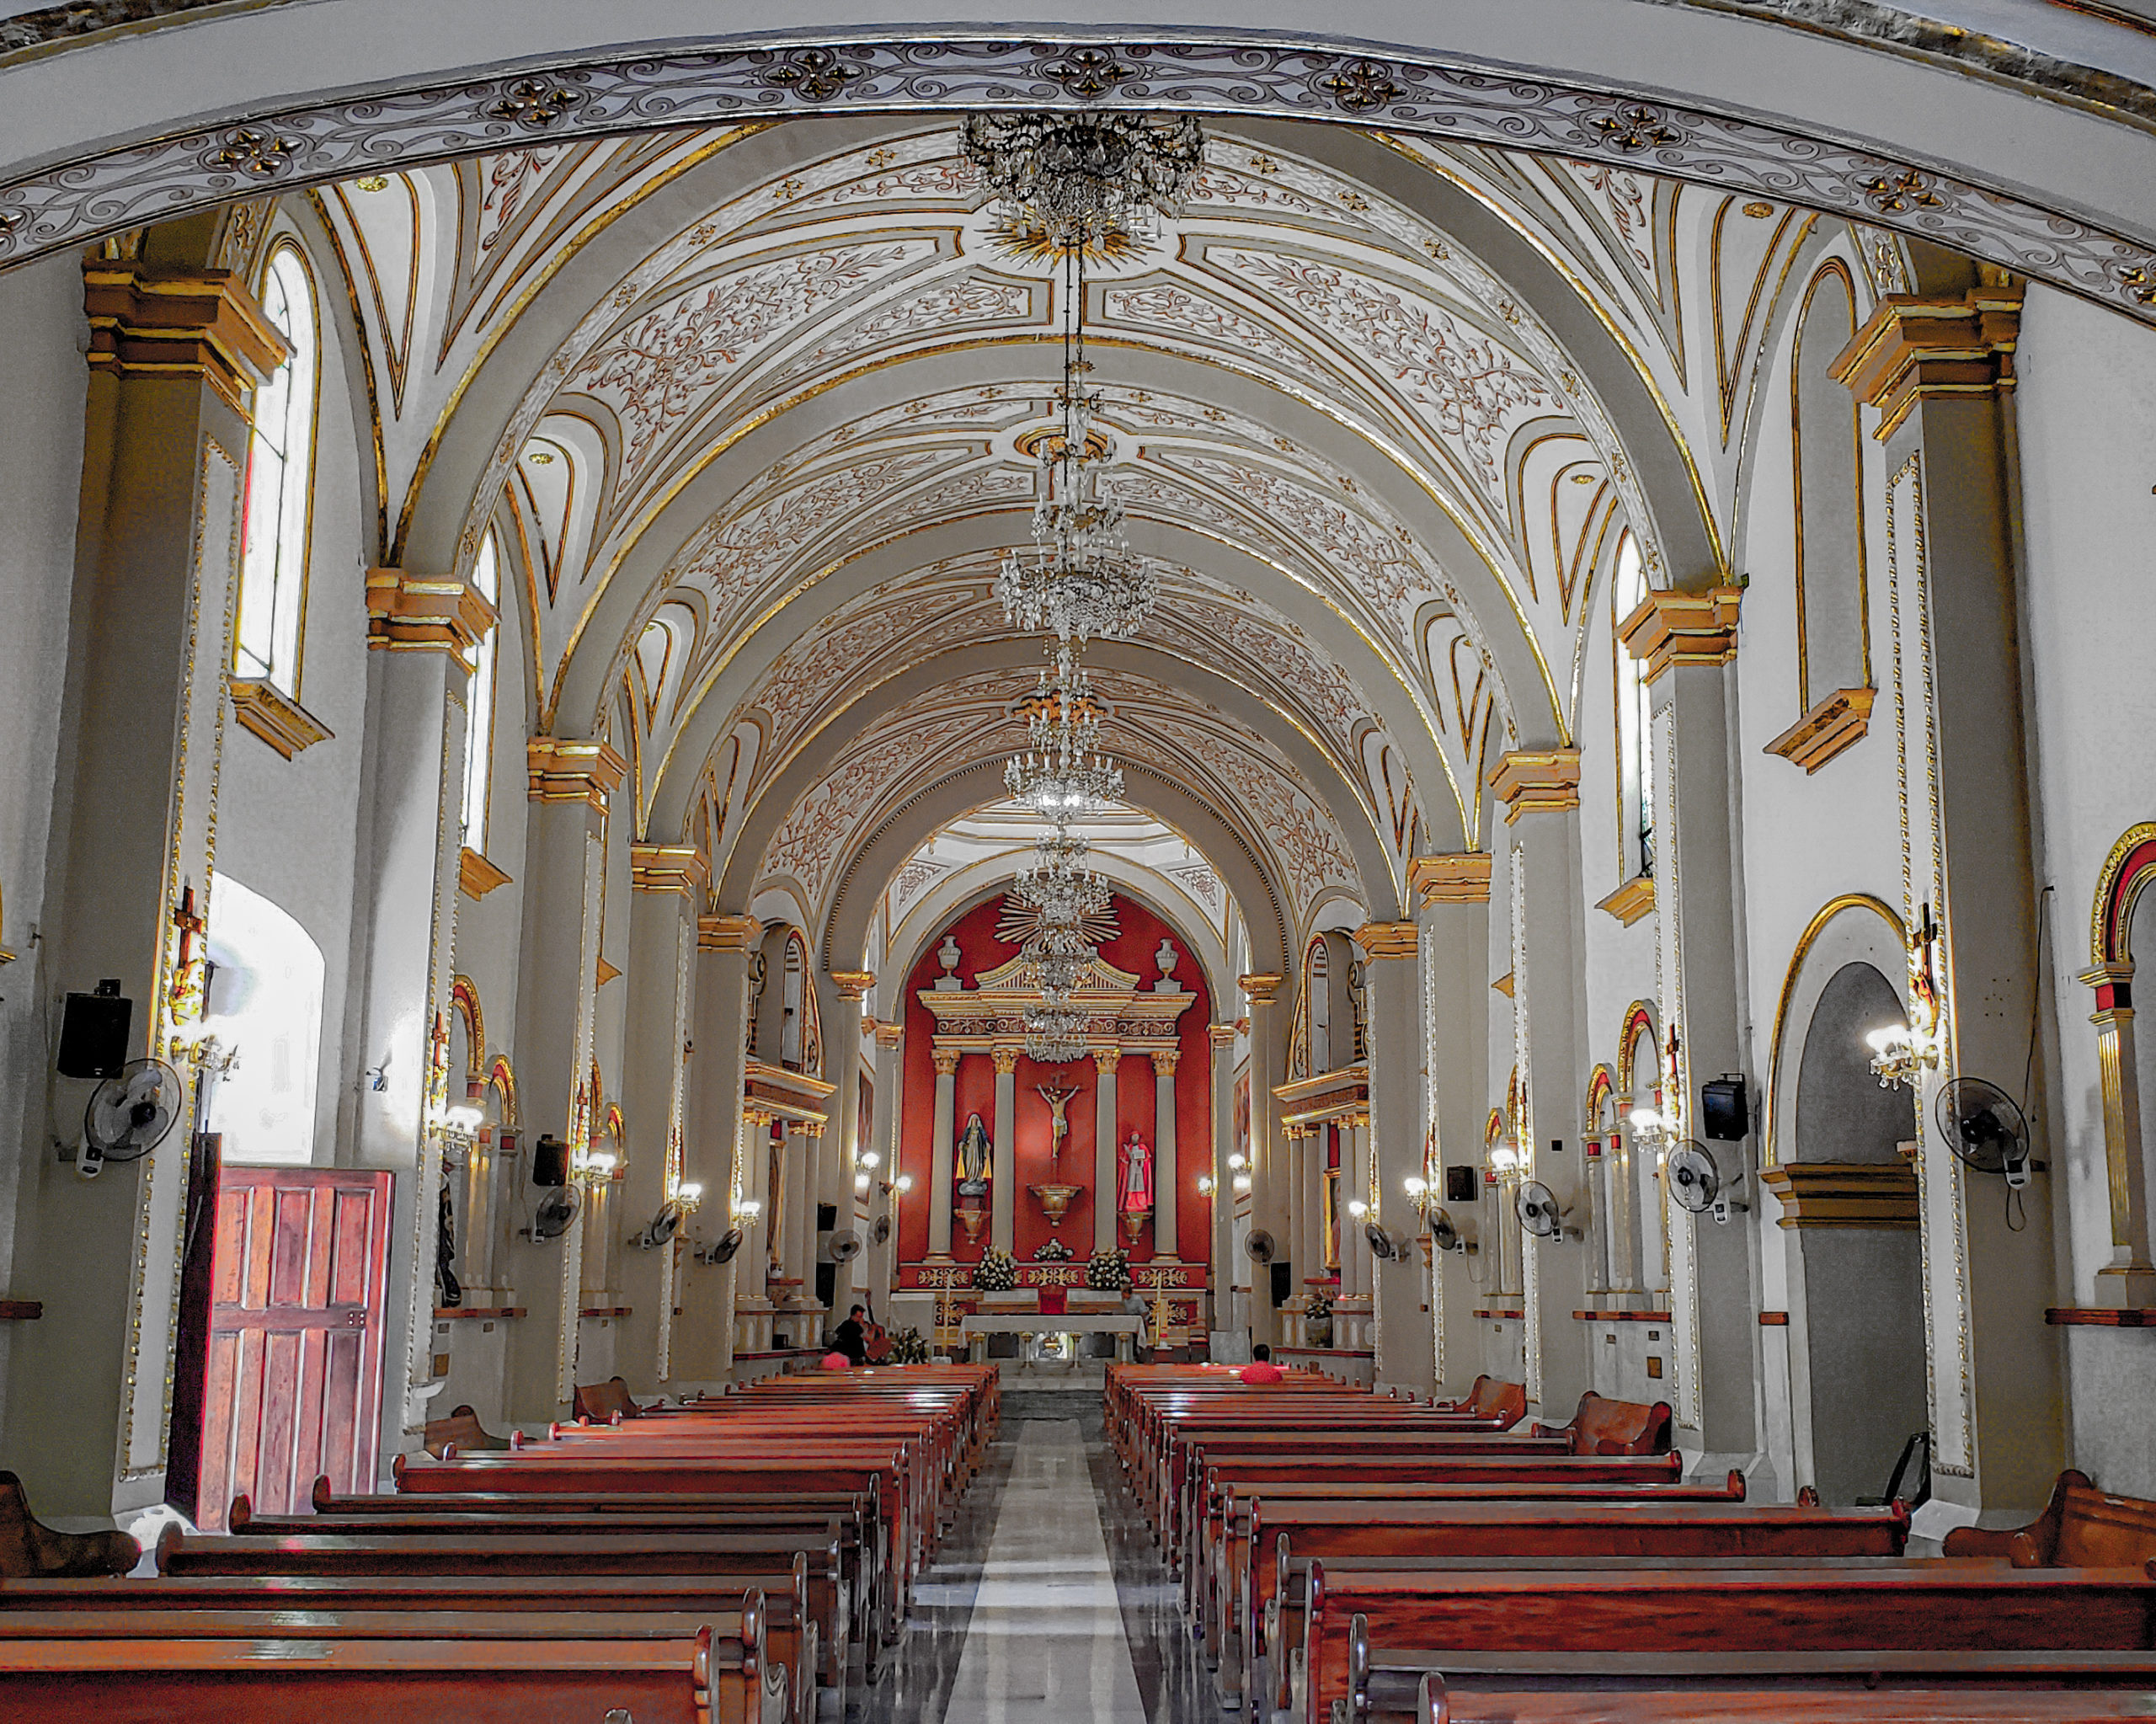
(1850, 1195)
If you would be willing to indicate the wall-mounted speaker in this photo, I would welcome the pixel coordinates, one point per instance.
(94, 1033)
(550, 1162)
(1723, 1114)
(1462, 1185)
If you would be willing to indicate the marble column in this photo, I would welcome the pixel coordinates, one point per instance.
(1270, 1181)
(1935, 371)
(1454, 942)
(800, 1249)
(1165, 1173)
(942, 1152)
(1393, 1142)
(1221, 1242)
(841, 1161)
(1003, 1166)
(713, 1153)
(173, 360)
(569, 781)
(1540, 791)
(667, 884)
(1105, 1061)
(886, 1201)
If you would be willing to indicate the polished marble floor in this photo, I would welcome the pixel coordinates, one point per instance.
(1047, 1603)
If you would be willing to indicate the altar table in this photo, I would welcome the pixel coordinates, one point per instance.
(1123, 1325)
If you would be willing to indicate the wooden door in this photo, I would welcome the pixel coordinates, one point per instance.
(295, 1377)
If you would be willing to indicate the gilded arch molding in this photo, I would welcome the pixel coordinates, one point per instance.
(1462, 97)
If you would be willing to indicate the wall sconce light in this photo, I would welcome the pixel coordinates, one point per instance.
(1242, 1182)
(747, 1209)
(1899, 1053)
(1358, 1208)
(868, 1158)
(1205, 1185)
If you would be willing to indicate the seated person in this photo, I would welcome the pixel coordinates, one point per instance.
(1261, 1367)
(1135, 1305)
(851, 1338)
(835, 1362)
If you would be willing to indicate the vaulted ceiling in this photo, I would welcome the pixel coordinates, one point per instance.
(754, 408)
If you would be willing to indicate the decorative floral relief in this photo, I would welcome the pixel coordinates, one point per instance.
(509, 177)
(940, 310)
(654, 373)
(1167, 305)
(1309, 843)
(1625, 202)
(1472, 388)
(1201, 883)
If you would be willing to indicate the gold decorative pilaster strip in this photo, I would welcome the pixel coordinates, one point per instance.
(201, 323)
(1460, 877)
(1670, 627)
(1387, 939)
(728, 933)
(563, 769)
(669, 867)
(1917, 348)
(424, 613)
(1538, 781)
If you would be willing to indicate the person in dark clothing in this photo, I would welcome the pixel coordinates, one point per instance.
(851, 1338)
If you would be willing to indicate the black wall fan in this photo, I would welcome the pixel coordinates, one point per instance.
(1984, 1126)
(130, 1115)
(664, 1225)
(1445, 1233)
(723, 1248)
(1260, 1245)
(1536, 1206)
(1696, 1185)
(556, 1212)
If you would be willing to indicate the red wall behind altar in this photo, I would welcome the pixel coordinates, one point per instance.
(1132, 950)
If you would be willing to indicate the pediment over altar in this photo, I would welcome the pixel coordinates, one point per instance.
(993, 1009)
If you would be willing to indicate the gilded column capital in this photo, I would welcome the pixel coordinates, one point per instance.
(569, 768)
(1261, 988)
(151, 322)
(1458, 876)
(1165, 1060)
(946, 1061)
(1387, 939)
(1918, 347)
(1005, 1061)
(409, 612)
(889, 1035)
(1106, 1059)
(1670, 627)
(1538, 781)
(1222, 1034)
(728, 933)
(853, 984)
(669, 867)
(2113, 984)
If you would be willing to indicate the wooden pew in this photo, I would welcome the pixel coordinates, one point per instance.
(602, 1402)
(791, 1637)
(742, 1558)
(29, 1547)
(1712, 1687)
(1603, 1426)
(1500, 1404)
(2081, 1527)
(1302, 1533)
(483, 1670)
(461, 1428)
(1875, 1606)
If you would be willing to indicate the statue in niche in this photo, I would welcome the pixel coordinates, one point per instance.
(1058, 1127)
(1134, 1195)
(973, 1154)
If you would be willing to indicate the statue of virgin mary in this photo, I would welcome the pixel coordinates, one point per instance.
(972, 1155)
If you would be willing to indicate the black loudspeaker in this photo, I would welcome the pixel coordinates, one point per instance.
(1463, 1185)
(550, 1162)
(1282, 1284)
(1723, 1114)
(827, 1217)
(94, 1033)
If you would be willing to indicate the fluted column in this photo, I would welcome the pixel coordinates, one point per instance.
(2127, 1279)
(842, 1026)
(714, 1155)
(1105, 1061)
(1164, 1151)
(944, 1146)
(1392, 1150)
(1354, 1189)
(885, 1199)
(1222, 1243)
(1003, 1172)
(1269, 1172)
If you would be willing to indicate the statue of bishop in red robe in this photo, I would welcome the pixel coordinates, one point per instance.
(1137, 1184)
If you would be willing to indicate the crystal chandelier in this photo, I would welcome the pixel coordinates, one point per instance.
(1063, 774)
(1055, 1032)
(1065, 891)
(1085, 178)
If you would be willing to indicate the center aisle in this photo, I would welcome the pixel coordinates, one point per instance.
(1046, 1641)
(1047, 1603)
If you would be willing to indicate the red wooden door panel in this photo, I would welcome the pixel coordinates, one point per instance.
(294, 1378)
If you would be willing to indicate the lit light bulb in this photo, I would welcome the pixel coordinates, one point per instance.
(1358, 1208)
(861, 1182)
(1235, 1162)
(1242, 1182)
(1645, 1119)
(869, 1158)
(1416, 1184)
(1205, 1185)
(690, 1195)
(905, 1182)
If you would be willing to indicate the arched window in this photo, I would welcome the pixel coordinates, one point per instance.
(479, 709)
(280, 486)
(1833, 648)
(1634, 731)
(264, 1000)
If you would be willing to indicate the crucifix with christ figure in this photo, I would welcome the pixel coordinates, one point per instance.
(1060, 1127)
